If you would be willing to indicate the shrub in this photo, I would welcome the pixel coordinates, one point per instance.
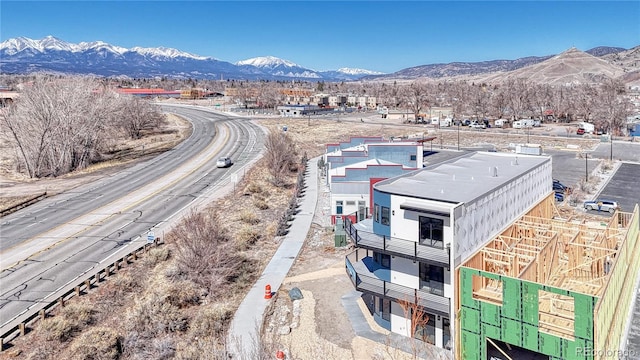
(156, 255)
(78, 313)
(248, 217)
(58, 328)
(254, 188)
(211, 320)
(246, 237)
(118, 286)
(97, 344)
(260, 204)
(154, 315)
(203, 251)
(183, 293)
(194, 348)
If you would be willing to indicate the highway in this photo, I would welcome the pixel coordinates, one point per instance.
(49, 244)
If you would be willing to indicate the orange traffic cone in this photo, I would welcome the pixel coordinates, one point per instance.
(267, 292)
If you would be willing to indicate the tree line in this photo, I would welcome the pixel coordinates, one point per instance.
(62, 124)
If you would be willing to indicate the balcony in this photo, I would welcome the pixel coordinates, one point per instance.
(363, 237)
(367, 276)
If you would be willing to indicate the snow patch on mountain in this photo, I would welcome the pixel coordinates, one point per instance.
(267, 61)
(355, 71)
(166, 52)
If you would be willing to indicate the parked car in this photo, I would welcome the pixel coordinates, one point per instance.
(477, 126)
(580, 131)
(601, 205)
(223, 162)
(561, 188)
(559, 197)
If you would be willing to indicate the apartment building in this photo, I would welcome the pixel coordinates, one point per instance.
(426, 223)
(354, 166)
(549, 287)
(352, 172)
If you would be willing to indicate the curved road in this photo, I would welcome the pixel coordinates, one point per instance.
(51, 243)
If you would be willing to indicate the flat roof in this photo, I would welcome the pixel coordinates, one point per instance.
(462, 179)
(341, 170)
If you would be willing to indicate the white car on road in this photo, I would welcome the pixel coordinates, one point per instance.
(223, 162)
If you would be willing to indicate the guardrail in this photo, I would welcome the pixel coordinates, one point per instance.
(22, 204)
(81, 284)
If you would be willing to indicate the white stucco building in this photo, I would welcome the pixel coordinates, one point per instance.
(425, 223)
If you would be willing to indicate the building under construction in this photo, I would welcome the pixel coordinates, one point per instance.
(549, 287)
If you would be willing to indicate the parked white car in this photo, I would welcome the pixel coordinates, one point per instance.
(601, 205)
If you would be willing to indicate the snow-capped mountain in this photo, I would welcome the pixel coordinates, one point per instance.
(351, 71)
(280, 67)
(23, 55)
(267, 62)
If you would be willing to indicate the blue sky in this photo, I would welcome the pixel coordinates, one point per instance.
(326, 35)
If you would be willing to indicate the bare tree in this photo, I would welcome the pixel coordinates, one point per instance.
(613, 107)
(480, 99)
(139, 115)
(541, 96)
(60, 125)
(280, 156)
(414, 97)
(518, 98)
(499, 103)
(585, 101)
(204, 251)
(418, 319)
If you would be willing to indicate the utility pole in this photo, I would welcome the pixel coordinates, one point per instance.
(458, 136)
(586, 166)
(611, 140)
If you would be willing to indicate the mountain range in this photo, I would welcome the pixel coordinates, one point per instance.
(23, 56)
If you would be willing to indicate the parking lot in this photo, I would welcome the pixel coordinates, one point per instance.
(624, 187)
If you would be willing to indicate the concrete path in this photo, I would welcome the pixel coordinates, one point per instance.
(244, 334)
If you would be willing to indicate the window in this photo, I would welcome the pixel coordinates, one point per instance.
(446, 333)
(339, 205)
(431, 232)
(383, 259)
(385, 216)
(385, 307)
(432, 278)
(426, 329)
(412, 158)
(376, 213)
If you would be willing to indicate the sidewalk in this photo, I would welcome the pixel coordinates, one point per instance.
(244, 334)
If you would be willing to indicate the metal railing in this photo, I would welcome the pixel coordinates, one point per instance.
(394, 246)
(365, 281)
(18, 326)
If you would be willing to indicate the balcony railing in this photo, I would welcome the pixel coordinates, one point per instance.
(394, 246)
(364, 280)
